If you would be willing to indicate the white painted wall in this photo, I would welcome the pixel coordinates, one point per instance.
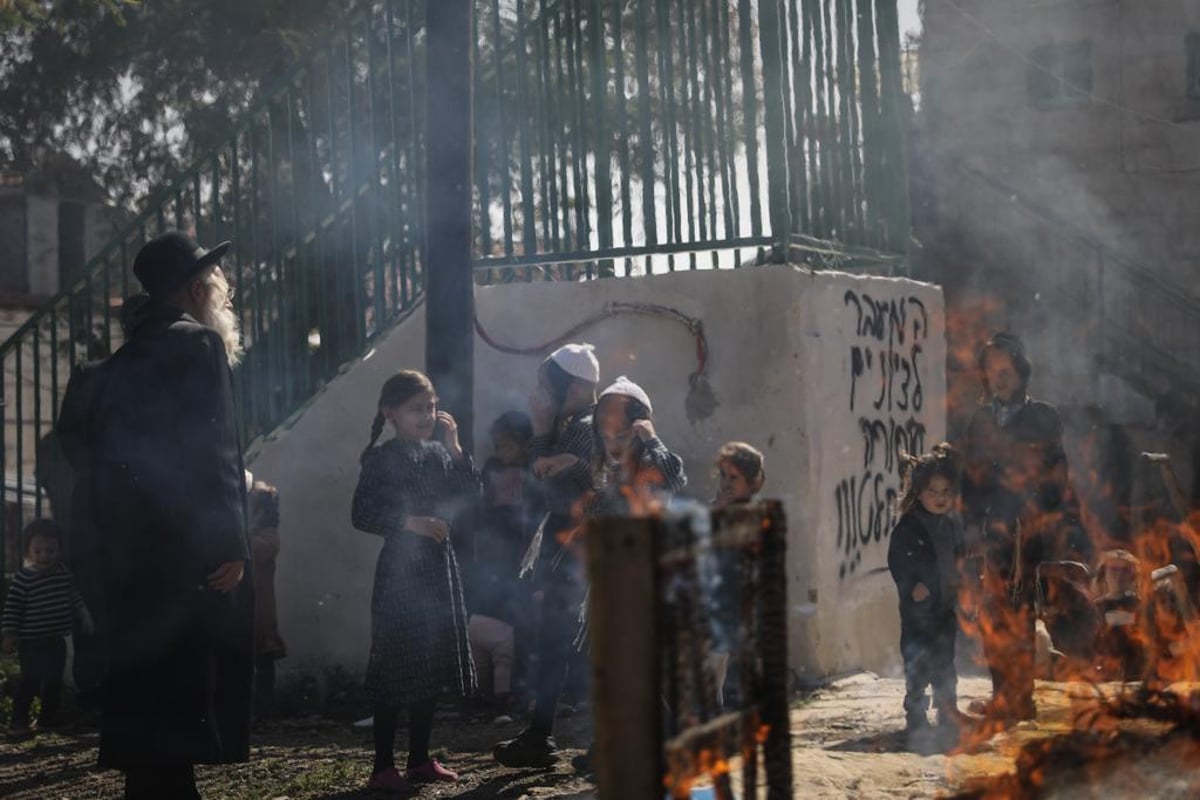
(781, 343)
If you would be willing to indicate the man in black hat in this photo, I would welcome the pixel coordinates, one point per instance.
(1018, 510)
(168, 498)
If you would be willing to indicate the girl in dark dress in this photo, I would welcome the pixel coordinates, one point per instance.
(408, 489)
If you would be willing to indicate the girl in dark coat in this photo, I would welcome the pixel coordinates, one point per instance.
(923, 556)
(408, 489)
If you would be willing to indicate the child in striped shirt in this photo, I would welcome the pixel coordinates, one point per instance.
(39, 611)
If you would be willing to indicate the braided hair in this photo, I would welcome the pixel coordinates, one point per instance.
(919, 471)
(397, 390)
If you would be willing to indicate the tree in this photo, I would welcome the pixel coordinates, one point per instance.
(133, 91)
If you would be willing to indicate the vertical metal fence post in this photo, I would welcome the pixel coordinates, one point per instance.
(771, 24)
(602, 152)
(450, 313)
(898, 214)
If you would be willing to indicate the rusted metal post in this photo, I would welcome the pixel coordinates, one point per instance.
(450, 298)
(775, 699)
(623, 622)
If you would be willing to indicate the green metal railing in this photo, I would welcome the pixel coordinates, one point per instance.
(611, 138)
(653, 135)
(320, 188)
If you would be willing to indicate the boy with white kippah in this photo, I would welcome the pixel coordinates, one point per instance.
(563, 454)
(634, 466)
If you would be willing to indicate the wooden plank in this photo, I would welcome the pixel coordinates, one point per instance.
(624, 648)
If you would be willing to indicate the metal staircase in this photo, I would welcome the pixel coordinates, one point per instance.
(611, 139)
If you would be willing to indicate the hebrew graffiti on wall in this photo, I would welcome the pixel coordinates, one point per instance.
(885, 398)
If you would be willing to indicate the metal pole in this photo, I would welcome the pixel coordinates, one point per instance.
(450, 312)
(775, 101)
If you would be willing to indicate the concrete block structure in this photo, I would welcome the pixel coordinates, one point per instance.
(830, 374)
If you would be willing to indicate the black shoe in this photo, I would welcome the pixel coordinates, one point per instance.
(528, 750)
(585, 763)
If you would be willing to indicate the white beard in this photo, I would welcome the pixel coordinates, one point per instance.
(225, 322)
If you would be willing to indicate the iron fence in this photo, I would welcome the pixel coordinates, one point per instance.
(611, 138)
(651, 135)
(320, 188)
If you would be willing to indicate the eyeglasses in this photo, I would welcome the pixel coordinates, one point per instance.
(230, 289)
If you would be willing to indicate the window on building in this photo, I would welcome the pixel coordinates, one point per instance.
(1060, 75)
(1192, 43)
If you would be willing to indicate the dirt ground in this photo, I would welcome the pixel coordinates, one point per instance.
(308, 758)
(846, 744)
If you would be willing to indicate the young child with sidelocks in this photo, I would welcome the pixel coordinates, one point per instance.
(924, 557)
(633, 463)
(408, 489)
(41, 606)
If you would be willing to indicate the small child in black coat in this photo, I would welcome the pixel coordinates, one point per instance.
(924, 556)
(500, 532)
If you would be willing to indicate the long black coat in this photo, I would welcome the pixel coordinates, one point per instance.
(1018, 473)
(169, 507)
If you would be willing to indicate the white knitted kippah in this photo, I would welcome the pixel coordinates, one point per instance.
(627, 388)
(579, 361)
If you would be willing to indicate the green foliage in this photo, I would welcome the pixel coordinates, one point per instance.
(133, 90)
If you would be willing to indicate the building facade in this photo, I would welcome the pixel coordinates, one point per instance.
(1056, 180)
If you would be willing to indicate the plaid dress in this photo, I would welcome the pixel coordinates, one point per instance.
(419, 643)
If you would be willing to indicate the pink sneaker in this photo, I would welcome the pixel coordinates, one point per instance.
(431, 771)
(389, 780)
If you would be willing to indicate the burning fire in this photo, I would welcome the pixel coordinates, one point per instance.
(1124, 632)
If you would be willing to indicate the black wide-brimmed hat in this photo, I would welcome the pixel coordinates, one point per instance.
(167, 262)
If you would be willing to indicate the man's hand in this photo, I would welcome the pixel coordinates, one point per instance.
(227, 576)
(920, 593)
(429, 527)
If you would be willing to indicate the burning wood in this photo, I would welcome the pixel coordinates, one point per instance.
(659, 693)
(1098, 739)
